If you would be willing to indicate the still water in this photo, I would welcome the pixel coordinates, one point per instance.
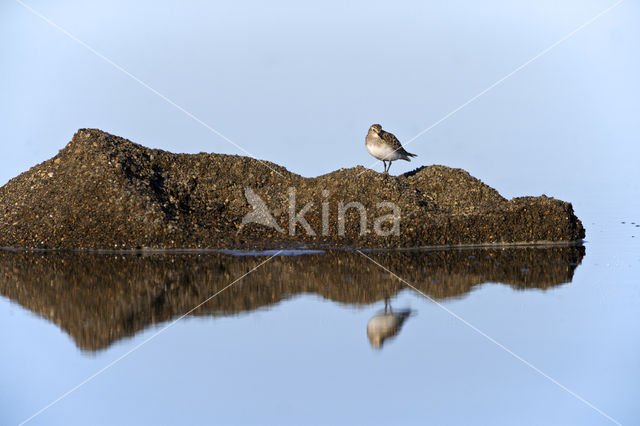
(325, 337)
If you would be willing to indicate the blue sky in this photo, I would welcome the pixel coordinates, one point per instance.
(299, 84)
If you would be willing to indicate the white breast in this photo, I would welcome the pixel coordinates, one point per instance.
(382, 151)
(383, 325)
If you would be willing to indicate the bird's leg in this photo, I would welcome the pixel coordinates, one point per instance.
(385, 165)
(389, 166)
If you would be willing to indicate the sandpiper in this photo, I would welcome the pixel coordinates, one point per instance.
(385, 146)
(386, 325)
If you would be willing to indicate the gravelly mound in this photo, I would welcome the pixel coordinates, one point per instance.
(105, 192)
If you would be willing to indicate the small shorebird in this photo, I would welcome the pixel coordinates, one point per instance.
(385, 146)
(386, 325)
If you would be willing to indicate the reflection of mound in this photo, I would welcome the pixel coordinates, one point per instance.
(100, 298)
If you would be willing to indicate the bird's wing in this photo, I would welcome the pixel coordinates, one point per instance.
(391, 139)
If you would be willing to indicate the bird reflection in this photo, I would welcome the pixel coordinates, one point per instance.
(386, 325)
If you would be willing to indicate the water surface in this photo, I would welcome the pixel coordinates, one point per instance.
(288, 343)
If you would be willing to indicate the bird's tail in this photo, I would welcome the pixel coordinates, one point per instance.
(406, 155)
(405, 313)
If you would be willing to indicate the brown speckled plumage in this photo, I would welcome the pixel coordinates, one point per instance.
(392, 141)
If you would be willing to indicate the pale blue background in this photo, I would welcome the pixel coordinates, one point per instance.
(299, 84)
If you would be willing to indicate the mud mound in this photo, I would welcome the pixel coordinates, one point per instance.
(105, 192)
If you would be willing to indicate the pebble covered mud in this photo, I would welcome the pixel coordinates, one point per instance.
(105, 192)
